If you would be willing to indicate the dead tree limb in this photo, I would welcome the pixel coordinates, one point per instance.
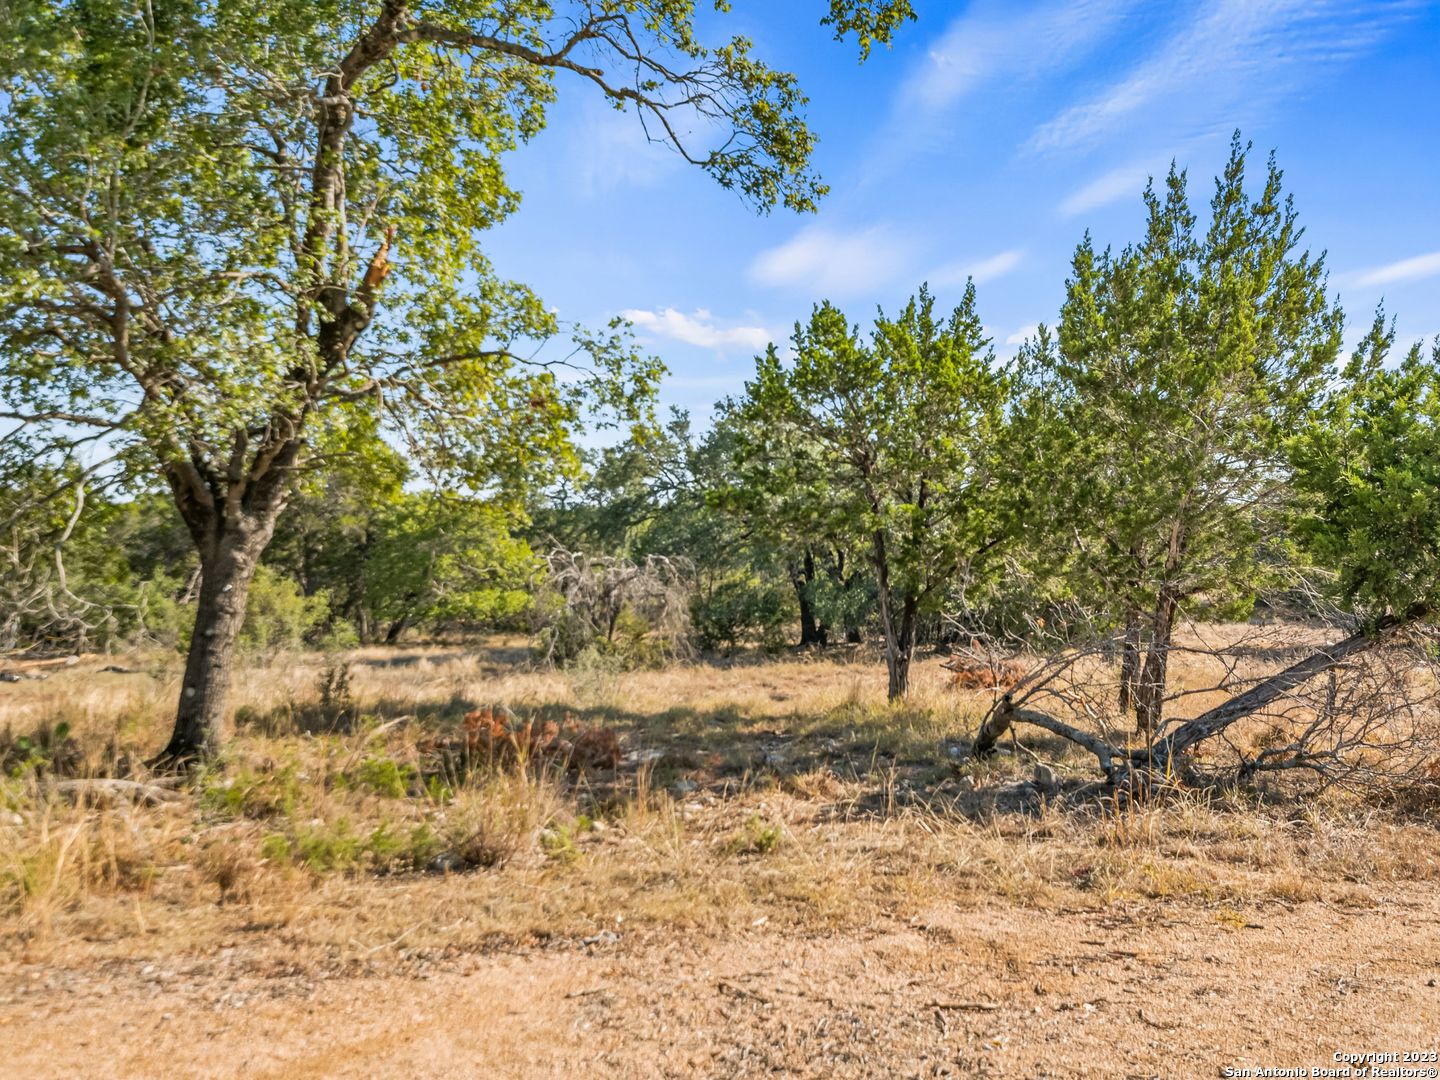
(1005, 713)
(1166, 750)
(107, 789)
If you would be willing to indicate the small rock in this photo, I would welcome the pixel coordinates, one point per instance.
(965, 783)
(9, 676)
(683, 787)
(1045, 778)
(604, 937)
(447, 862)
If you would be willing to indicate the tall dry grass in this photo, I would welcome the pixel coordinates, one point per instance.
(785, 791)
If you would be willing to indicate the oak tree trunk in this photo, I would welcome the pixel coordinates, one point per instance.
(231, 520)
(209, 667)
(812, 630)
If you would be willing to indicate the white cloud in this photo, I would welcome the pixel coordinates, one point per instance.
(699, 329)
(826, 261)
(1128, 181)
(1024, 334)
(1232, 58)
(992, 41)
(1416, 268)
(984, 270)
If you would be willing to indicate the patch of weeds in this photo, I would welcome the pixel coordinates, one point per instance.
(337, 847)
(254, 794)
(1231, 919)
(385, 776)
(276, 848)
(558, 843)
(389, 849)
(437, 791)
(334, 847)
(47, 749)
(758, 837)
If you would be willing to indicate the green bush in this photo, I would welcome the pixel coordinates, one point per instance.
(278, 615)
(385, 776)
(743, 611)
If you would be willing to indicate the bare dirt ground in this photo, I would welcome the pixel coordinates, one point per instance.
(1156, 989)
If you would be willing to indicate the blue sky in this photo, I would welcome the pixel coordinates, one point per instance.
(985, 143)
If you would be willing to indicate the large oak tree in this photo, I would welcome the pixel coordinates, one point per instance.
(239, 237)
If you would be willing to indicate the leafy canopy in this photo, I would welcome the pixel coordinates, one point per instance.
(1159, 417)
(887, 446)
(239, 238)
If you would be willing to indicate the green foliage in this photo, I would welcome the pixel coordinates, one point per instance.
(255, 794)
(278, 615)
(334, 846)
(1159, 417)
(759, 837)
(48, 749)
(438, 559)
(1368, 479)
(886, 447)
(741, 610)
(385, 776)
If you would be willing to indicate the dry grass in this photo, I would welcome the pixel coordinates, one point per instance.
(780, 793)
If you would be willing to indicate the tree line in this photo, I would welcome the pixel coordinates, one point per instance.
(262, 383)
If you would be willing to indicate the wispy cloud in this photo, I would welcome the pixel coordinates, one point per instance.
(608, 149)
(830, 262)
(1127, 181)
(1024, 334)
(981, 271)
(699, 329)
(1416, 268)
(1231, 59)
(995, 41)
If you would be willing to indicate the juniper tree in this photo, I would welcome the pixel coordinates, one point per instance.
(889, 445)
(1183, 362)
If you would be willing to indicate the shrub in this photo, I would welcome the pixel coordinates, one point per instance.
(740, 611)
(278, 615)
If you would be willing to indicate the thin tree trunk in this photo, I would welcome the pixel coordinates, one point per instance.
(1129, 660)
(398, 627)
(899, 632)
(844, 584)
(812, 630)
(904, 650)
(1150, 687)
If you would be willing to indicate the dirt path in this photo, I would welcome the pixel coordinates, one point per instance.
(1153, 990)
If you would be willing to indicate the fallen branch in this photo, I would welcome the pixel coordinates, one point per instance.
(1164, 752)
(967, 1006)
(1005, 713)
